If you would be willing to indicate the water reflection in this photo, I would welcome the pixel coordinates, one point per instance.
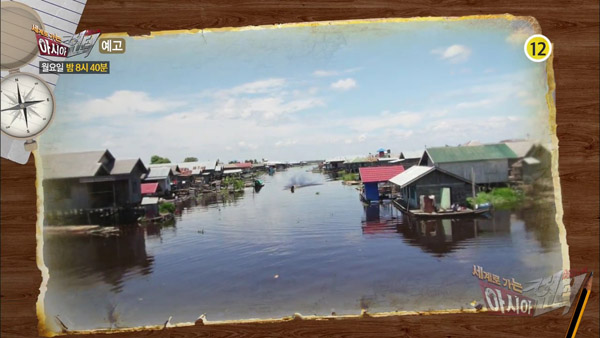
(330, 253)
(439, 236)
(381, 219)
(540, 221)
(436, 236)
(111, 257)
(221, 198)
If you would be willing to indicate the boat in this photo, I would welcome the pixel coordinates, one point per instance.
(466, 212)
(161, 218)
(258, 183)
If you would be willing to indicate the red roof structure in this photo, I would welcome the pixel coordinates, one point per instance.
(244, 165)
(379, 174)
(149, 188)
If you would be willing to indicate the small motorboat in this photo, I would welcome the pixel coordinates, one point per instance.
(258, 183)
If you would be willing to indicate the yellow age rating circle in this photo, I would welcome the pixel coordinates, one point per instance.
(538, 48)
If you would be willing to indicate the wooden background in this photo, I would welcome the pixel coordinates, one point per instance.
(571, 25)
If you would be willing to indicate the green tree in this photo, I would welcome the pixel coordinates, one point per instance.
(190, 159)
(166, 208)
(155, 159)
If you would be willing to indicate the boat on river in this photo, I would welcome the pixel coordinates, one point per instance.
(465, 212)
(258, 183)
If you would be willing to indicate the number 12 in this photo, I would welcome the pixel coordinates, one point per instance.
(541, 53)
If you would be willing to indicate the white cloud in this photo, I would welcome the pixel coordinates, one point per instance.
(484, 103)
(402, 133)
(286, 143)
(262, 99)
(383, 120)
(255, 87)
(267, 108)
(454, 53)
(344, 84)
(331, 72)
(245, 145)
(264, 118)
(475, 128)
(123, 103)
(324, 73)
(438, 113)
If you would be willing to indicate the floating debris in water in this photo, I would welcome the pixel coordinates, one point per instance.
(276, 276)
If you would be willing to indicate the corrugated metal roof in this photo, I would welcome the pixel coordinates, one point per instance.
(238, 165)
(531, 160)
(149, 188)
(189, 165)
(209, 165)
(336, 159)
(520, 148)
(73, 165)
(174, 166)
(388, 159)
(412, 154)
(410, 175)
(126, 166)
(363, 159)
(379, 174)
(159, 172)
(149, 200)
(471, 153)
(231, 171)
(205, 165)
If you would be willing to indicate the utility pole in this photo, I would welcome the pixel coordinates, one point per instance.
(473, 182)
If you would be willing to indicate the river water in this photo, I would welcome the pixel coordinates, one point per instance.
(273, 253)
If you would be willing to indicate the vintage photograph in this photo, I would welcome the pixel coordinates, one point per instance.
(318, 169)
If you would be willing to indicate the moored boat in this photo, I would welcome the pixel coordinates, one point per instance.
(465, 212)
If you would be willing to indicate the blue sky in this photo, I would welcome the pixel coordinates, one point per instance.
(297, 93)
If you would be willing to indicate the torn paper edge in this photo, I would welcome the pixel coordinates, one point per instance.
(550, 101)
